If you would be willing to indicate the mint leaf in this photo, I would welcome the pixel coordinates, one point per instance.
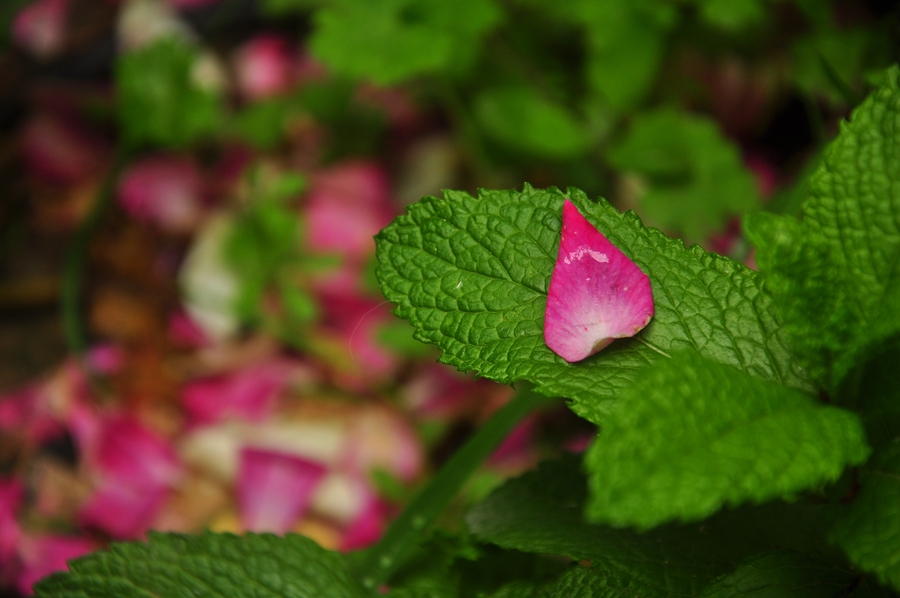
(219, 565)
(784, 573)
(693, 435)
(841, 261)
(521, 119)
(854, 201)
(471, 275)
(814, 296)
(161, 100)
(869, 529)
(695, 176)
(388, 41)
(541, 512)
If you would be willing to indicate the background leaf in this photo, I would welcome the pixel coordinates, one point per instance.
(161, 101)
(695, 177)
(387, 41)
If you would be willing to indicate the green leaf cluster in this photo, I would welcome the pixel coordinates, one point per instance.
(162, 99)
(718, 402)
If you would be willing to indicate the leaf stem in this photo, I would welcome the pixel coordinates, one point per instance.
(73, 268)
(408, 530)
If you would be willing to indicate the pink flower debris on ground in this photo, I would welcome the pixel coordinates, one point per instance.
(136, 469)
(12, 492)
(57, 147)
(166, 191)
(249, 393)
(274, 488)
(597, 294)
(263, 67)
(40, 27)
(369, 521)
(43, 555)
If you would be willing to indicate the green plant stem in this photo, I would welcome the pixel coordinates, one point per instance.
(408, 530)
(73, 268)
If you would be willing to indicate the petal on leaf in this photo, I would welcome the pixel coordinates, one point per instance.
(596, 294)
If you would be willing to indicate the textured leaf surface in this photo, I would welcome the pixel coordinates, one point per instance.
(583, 582)
(695, 175)
(160, 102)
(784, 573)
(869, 529)
(209, 565)
(542, 512)
(388, 41)
(471, 275)
(855, 197)
(692, 436)
(836, 275)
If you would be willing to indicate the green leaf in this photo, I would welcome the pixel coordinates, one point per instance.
(844, 52)
(541, 512)
(262, 124)
(695, 176)
(834, 275)
(692, 436)
(160, 98)
(583, 582)
(208, 565)
(784, 573)
(869, 529)
(732, 15)
(626, 42)
(520, 118)
(471, 275)
(813, 295)
(388, 41)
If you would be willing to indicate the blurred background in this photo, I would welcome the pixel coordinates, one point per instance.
(191, 331)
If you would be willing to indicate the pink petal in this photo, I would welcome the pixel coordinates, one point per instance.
(596, 293)
(12, 492)
(163, 190)
(263, 67)
(43, 555)
(249, 393)
(59, 148)
(366, 528)
(121, 510)
(519, 448)
(274, 488)
(133, 455)
(346, 206)
(185, 332)
(40, 27)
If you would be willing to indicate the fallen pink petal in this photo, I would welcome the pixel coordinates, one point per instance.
(43, 555)
(274, 488)
(597, 294)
